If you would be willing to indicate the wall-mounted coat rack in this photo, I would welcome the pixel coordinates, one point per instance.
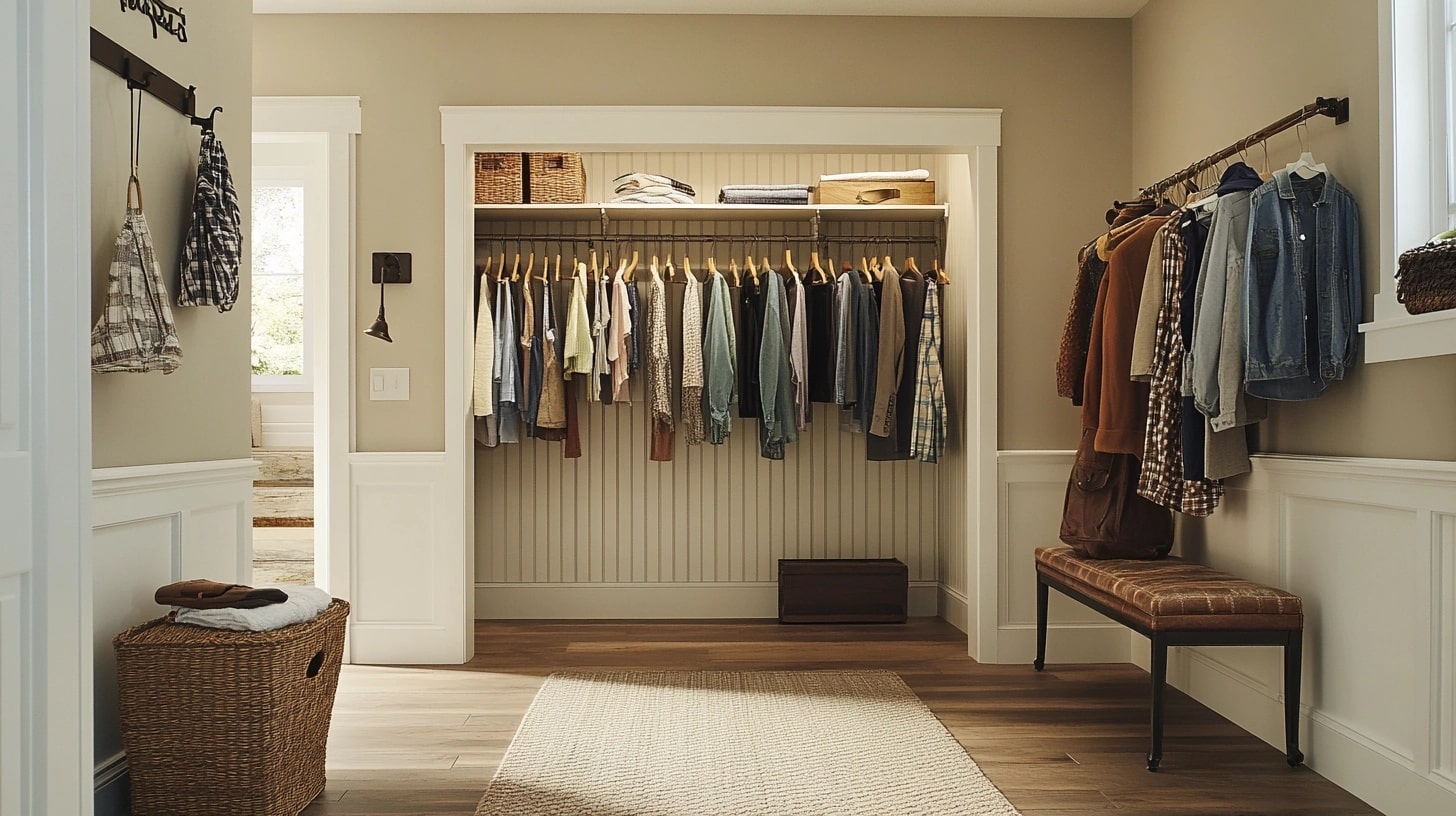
(139, 73)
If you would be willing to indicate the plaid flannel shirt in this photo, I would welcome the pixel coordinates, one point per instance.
(212, 250)
(1161, 480)
(927, 428)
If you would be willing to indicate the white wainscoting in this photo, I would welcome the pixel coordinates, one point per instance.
(1031, 487)
(1370, 545)
(406, 598)
(152, 525)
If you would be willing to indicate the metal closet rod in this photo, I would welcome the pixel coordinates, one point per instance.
(708, 239)
(1337, 109)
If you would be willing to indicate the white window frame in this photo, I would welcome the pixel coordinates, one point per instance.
(1418, 159)
(307, 167)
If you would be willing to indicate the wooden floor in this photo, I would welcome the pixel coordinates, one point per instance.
(1069, 741)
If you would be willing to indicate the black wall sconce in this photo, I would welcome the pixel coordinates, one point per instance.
(388, 267)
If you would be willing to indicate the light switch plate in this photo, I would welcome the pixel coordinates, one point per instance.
(389, 383)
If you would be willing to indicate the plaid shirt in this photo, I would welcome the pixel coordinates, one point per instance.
(1162, 479)
(927, 428)
(213, 247)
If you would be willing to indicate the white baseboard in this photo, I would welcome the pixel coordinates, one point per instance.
(955, 608)
(647, 601)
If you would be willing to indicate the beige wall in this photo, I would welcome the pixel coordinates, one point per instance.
(199, 412)
(1062, 84)
(1202, 80)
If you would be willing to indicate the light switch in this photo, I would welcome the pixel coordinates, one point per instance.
(389, 383)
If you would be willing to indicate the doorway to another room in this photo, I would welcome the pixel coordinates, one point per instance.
(290, 254)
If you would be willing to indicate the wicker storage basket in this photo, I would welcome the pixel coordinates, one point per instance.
(215, 721)
(1426, 278)
(529, 178)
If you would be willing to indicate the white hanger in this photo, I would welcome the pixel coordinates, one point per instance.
(1306, 167)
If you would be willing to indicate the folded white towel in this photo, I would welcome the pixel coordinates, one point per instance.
(901, 175)
(304, 604)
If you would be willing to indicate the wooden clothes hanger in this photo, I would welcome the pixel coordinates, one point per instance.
(789, 262)
(688, 268)
(815, 267)
(752, 271)
(593, 272)
(631, 267)
(516, 268)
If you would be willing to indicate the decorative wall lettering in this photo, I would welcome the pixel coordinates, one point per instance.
(164, 17)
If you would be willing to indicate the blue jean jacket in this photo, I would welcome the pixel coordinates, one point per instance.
(1303, 287)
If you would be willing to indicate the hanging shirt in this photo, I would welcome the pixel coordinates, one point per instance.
(1161, 478)
(507, 364)
(891, 353)
(618, 351)
(846, 339)
(750, 335)
(530, 363)
(482, 399)
(634, 337)
(869, 356)
(927, 429)
(659, 370)
(822, 363)
(799, 352)
(579, 330)
(551, 415)
(719, 360)
(693, 376)
(212, 250)
(775, 378)
(895, 445)
(601, 367)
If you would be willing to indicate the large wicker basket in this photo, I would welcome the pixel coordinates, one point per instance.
(225, 722)
(529, 178)
(1425, 280)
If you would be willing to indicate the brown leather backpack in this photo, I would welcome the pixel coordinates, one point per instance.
(1103, 516)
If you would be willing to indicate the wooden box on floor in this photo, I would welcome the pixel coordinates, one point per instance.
(221, 722)
(875, 192)
(843, 590)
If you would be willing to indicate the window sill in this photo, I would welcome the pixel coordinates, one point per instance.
(302, 385)
(1410, 336)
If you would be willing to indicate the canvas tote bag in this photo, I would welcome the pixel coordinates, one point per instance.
(135, 332)
(1103, 516)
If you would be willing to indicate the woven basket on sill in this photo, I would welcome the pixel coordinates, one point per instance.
(529, 178)
(216, 721)
(1425, 281)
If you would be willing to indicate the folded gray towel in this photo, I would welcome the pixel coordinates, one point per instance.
(804, 188)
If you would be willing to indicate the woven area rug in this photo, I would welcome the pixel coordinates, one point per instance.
(751, 743)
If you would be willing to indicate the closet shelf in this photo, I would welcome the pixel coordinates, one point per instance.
(710, 212)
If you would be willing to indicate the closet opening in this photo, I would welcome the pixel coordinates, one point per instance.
(488, 548)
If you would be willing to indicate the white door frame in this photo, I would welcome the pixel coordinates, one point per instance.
(973, 132)
(46, 760)
(339, 120)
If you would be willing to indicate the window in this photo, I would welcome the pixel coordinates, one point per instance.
(289, 248)
(1417, 63)
(279, 314)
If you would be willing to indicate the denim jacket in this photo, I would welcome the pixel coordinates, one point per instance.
(1304, 298)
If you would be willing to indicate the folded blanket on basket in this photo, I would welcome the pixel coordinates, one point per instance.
(304, 604)
(764, 194)
(201, 593)
(880, 175)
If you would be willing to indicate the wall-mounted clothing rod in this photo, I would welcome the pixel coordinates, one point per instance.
(139, 73)
(1337, 109)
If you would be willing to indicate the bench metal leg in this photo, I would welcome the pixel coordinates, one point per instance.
(1293, 662)
(1042, 593)
(1160, 679)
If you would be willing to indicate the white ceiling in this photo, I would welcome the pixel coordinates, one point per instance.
(897, 8)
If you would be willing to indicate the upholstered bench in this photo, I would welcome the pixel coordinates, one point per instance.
(1173, 602)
